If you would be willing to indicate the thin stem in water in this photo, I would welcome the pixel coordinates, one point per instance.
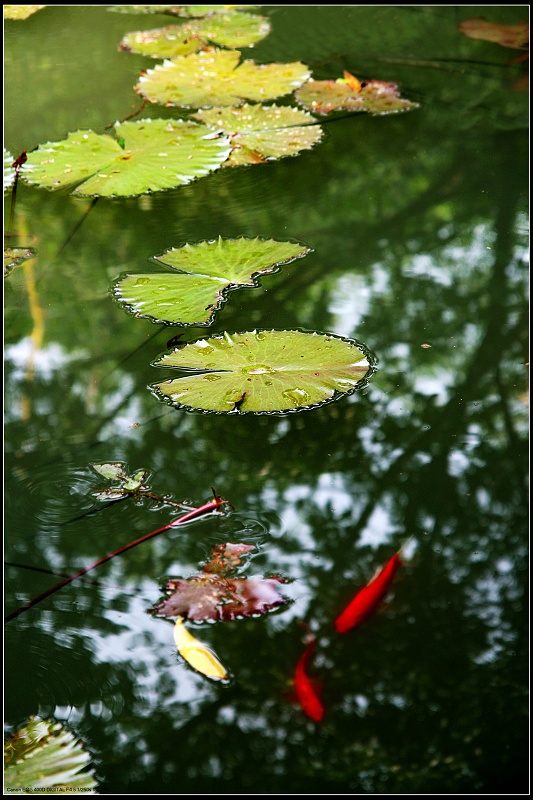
(212, 505)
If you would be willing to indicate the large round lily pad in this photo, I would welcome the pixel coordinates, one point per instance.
(264, 371)
(215, 78)
(144, 156)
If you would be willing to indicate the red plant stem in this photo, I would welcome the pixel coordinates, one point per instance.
(212, 505)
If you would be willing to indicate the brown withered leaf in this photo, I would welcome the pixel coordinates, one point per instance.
(516, 36)
(215, 594)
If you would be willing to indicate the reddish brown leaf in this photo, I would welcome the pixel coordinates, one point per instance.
(215, 595)
(516, 36)
(225, 557)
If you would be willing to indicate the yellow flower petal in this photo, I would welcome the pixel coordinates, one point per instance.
(197, 654)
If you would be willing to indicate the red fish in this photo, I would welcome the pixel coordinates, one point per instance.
(366, 602)
(305, 692)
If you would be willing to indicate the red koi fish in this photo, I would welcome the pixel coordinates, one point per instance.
(306, 693)
(366, 602)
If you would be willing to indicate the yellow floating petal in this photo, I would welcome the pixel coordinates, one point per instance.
(197, 654)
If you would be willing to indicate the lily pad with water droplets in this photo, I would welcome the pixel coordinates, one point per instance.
(215, 78)
(263, 372)
(9, 171)
(13, 256)
(260, 133)
(206, 273)
(181, 11)
(375, 97)
(47, 757)
(156, 154)
(233, 29)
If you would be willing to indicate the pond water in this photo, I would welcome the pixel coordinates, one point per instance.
(418, 227)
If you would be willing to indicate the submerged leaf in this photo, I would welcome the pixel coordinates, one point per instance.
(375, 97)
(197, 654)
(515, 36)
(263, 371)
(157, 154)
(215, 78)
(48, 758)
(259, 132)
(207, 271)
(233, 29)
(225, 558)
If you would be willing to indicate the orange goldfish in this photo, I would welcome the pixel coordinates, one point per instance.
(366, 601)
(305, 692)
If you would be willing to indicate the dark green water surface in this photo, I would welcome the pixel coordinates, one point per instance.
(418, 224)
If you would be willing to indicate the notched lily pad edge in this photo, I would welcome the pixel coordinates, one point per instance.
(371, 358)
(222, 295)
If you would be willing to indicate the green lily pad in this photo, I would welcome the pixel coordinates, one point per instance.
(375, 97)
(20, 12)
(156, 154)
(203, 11)
(128, 484)
(215, 78)
(260, 133)
(234, 29)
(263, 372)
(13, 256)
(181, 11)
(9, 171)
(207, 271)
(48, 758)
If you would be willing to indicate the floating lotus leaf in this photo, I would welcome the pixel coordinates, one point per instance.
(261, 132)
(182, 11)
(215, 78)
(375, 97)
(165, 42)
(207, 272)
(9, 171)
(217, 594)
(263, 371)
(20, 12)
(156, 154)
(13, 256)
(145, 9)
(212, 597)
(234, 29)
(48, 758)
(202, 11)
(128, 484)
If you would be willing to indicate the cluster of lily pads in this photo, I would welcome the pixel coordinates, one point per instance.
(225, 123)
